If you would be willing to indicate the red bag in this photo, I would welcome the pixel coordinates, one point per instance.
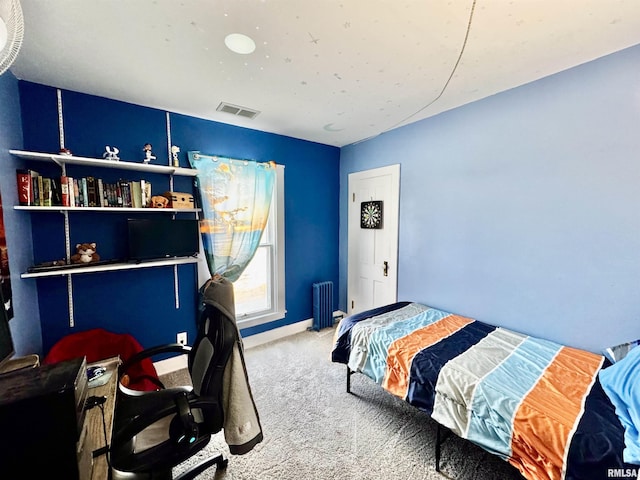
(99, 344)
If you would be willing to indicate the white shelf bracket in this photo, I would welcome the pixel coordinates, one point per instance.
(70, 301)
(60, 119)
(60, 164)
(169, 150)
(176, 291)
(67, 236)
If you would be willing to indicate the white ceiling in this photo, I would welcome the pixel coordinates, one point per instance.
(330, 71)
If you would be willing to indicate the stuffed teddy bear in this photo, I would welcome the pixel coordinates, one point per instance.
(159, 201)
(85, 253)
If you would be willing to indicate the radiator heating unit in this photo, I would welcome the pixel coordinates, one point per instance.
(322, 305)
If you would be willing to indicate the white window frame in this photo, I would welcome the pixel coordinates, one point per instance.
(277, 287)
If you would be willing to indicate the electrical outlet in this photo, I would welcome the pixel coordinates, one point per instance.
(182, 338)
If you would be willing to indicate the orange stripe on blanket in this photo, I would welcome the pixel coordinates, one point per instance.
(548, 414)
(402, 351)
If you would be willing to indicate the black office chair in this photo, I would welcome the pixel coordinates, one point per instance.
(156, 430)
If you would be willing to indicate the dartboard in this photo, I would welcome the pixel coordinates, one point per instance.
(371, 214)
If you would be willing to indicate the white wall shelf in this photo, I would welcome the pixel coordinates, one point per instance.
(101, 163)
(62, 161)
(59, 208)
(112, 267)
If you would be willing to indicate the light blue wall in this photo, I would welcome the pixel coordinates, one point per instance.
(25, 325)
(523, 209)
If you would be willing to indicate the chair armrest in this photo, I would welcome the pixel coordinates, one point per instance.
(149, 353)
(153, 351)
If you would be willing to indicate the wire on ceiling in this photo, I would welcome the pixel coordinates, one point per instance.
(453, 71)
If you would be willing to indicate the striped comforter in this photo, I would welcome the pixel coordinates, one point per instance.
(535, 403)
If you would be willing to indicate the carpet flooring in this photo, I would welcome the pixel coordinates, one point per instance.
(314, 430)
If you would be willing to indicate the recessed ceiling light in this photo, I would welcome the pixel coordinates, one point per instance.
(329, 128)
(239, 43)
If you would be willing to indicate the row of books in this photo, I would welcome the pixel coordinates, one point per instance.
(37, 190)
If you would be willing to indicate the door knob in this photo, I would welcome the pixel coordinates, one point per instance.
(385, 268)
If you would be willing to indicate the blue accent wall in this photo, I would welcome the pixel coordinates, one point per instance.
(25, 325)
(141, 302)
(522, 209)
(312, 176)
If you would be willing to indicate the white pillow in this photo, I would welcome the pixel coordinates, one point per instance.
(618, 352)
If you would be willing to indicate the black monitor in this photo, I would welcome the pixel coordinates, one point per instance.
(6, 342)
(155, 238)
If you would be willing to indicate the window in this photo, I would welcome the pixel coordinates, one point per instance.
(260, 291)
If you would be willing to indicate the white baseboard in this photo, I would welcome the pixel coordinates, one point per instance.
(172, 364)
(287, 330)
(276, 333)
(176, 363)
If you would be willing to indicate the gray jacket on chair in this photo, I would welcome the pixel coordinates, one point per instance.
(242, 429)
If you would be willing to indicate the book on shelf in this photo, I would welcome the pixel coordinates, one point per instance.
(47, 194)
(30, 187)
(82, 184)
(125, 191)
(72, 192)
(119, 198)
(92, 193)
(136, 194)
(145, 192)
(77, 193)
(40, 190)
(110, 195)
(25, 187)
(67, 191)
(64, 190)
(100, 193)
(56, 192)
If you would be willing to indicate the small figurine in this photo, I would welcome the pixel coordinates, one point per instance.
(111, 153)
(148, 155)
(174, 153)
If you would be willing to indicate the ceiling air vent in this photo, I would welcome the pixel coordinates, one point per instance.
(237, 110)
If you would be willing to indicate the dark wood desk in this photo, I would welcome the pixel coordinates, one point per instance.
(94, 422)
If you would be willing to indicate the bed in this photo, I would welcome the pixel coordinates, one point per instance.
(537, 404)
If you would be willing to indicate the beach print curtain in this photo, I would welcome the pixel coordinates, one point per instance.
(235, 196)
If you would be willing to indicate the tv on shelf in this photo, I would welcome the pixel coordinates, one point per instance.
(159, 238)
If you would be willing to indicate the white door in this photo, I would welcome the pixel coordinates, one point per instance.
(372, 265)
